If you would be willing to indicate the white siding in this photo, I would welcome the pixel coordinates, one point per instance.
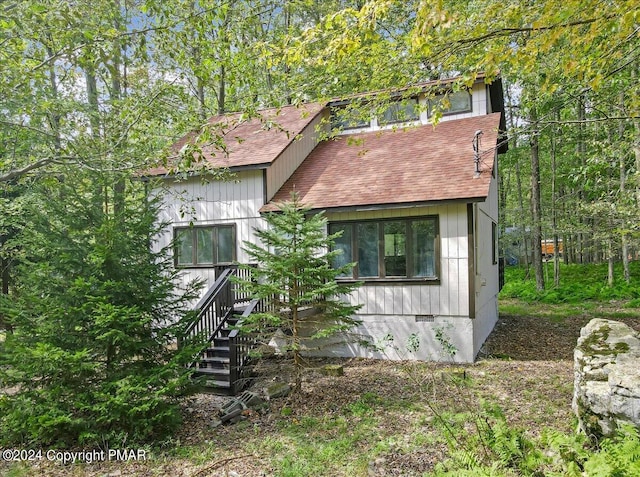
(486, 282)
(236, 201)
(450, 296)
(391, 309)
(292, 156)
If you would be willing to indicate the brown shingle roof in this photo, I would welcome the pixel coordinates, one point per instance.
(403, 166)
(253, 142)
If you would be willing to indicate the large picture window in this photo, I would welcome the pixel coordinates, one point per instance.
(205, 245)
(393, 249)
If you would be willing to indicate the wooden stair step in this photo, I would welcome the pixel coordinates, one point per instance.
(223, 360)
(219, 352)
(213, 364)
(216, 371)
(217, 384)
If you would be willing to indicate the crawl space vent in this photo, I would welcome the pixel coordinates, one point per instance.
(425, 319)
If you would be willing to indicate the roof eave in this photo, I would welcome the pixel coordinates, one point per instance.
(248, 167)
(385, 206)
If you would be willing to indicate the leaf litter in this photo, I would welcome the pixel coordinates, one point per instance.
(525, 367)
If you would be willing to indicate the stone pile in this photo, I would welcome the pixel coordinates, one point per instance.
(607, 377)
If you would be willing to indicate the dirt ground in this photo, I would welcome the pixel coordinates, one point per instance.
(532, 338)
(526, 367)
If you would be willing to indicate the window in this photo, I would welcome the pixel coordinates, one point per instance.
(393, 249)
(494, 243)
(400, 111)
(205, 246)
(451, 103)
(349, 117)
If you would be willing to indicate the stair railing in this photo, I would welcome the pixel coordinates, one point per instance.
(213, 309)
(240, 344)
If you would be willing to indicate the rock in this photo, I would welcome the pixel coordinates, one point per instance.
(333, 370)
(265, 351)
(277, 390)
(607, 377)
(279, 343)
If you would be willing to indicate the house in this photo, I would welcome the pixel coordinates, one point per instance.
(417, 204)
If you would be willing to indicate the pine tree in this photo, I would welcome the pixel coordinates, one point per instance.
(94, 315)
(295, 278)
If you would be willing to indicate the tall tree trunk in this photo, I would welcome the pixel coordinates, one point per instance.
(554, 207)
(636, 142)
(54, 116)
(623, 182)
(524, 243)
(200, 97)
(287, 67)
(5, 276)
(225, 52)
(221, 90)
(522, 216)
(92, 101)
(536, 208)
(95, 123)
(196, 54)
(581, 149)
(503, 187)
(610, 261)
(117, 93)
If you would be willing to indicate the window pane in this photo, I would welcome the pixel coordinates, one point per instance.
(424, 246)
(184, 246)
(344, 117)
(454, 102)
(368, 250)
(406, 110)
(395, 255)
(460, 101)
(343, 244)
(204, 245)
(226, 244)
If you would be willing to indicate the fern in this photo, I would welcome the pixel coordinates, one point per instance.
(568, 453)
(618, 456)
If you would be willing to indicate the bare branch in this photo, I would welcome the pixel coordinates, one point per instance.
(510, 31)
(45, 161)
(25, 126)
(590, 120)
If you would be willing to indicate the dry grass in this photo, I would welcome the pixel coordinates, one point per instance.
(377, 419)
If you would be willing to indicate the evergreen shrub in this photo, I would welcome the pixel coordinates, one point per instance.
(95, 318)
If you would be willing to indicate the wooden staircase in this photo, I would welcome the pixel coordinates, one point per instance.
(222, 365)
(214, 365)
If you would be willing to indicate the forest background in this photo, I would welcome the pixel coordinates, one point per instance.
(99, 89)
(92, 93)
